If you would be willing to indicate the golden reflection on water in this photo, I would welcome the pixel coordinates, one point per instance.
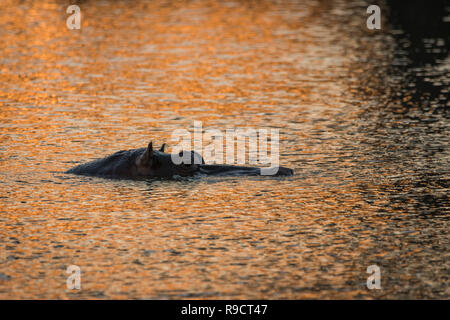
(139, 70)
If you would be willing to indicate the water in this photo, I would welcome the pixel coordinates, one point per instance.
(364, 126)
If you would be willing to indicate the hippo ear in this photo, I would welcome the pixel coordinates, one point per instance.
(147, 157)
(162, 147)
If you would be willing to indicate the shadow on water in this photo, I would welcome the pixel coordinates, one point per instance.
(422, 49)
(406, 133)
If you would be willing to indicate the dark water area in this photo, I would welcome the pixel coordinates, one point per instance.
(363, 120)
(415, 116)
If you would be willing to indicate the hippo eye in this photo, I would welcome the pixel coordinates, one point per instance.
(181, 154)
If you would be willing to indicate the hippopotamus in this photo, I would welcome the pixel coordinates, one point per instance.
(150, 163)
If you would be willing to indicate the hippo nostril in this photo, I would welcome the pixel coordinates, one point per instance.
(285, 171)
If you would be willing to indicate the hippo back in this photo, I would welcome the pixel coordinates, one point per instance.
(118, 164)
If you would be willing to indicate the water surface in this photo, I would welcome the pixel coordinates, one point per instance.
(364, 128)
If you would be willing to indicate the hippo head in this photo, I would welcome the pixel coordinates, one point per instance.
(152, 163)
(146, 162)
